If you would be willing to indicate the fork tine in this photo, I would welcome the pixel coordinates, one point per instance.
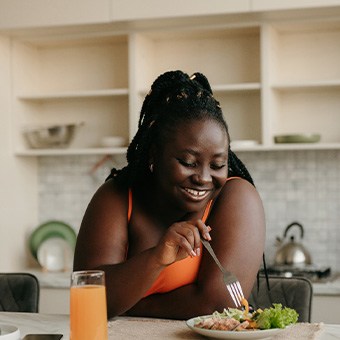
(236, 292)
(231, 292)
(240, 289)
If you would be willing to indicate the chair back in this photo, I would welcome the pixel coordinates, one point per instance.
(19, 292)
(294, 292)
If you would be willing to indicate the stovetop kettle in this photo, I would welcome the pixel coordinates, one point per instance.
(291, 252)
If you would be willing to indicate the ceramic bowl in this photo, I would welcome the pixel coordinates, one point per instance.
(113, 141)
(52, 136)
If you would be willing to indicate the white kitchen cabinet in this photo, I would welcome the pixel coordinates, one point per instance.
(41, 13)
(54, 300)
(271, 78)
(265, 5)
(325, 308)
(151, 9)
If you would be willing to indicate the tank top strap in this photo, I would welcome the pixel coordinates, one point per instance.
(207, 211)
(129, 205)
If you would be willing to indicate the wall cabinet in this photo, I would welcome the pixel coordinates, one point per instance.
(40, 13)
(264, 5)
(130, 9)
(271, 78)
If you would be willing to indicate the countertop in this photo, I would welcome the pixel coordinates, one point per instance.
(60, 280)
(331, 287)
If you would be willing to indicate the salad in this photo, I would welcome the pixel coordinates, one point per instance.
(233, 319)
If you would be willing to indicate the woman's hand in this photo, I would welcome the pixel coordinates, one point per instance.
(181, 240)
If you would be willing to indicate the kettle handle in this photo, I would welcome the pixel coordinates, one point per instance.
(291, 225)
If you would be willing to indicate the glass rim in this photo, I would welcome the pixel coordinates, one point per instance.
(91, 272)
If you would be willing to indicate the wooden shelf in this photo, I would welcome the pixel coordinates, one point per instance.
(71, 151)
(307, 85)
(75, 94)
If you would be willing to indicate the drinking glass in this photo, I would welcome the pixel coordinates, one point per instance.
(88, 316)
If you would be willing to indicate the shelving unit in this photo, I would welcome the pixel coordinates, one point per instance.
(222, 54)
(271, 78)
(304, 80)
(72, 80)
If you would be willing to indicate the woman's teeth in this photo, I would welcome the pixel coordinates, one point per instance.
(197, 193)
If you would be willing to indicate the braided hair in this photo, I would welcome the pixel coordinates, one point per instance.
(174, 98)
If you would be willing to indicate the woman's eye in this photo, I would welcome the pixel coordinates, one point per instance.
(217, 166)
(187, 164)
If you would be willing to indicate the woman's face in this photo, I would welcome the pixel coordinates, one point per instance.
(192, 166)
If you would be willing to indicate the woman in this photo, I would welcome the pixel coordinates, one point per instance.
(182, 182)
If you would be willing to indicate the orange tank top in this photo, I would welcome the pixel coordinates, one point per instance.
(179, 273)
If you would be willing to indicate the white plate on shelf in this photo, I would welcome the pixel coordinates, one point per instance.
(232, 335)
(244, 143)
(55, 254)
(9, 332)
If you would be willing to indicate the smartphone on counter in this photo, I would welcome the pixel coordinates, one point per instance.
(43, 337)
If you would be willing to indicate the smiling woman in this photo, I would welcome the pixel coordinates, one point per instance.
(143, 225)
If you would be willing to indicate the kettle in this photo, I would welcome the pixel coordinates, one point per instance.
(290, 252)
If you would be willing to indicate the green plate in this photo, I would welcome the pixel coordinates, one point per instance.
(297, 138)
(51, 229)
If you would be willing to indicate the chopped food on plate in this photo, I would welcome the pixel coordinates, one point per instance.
(233, 319)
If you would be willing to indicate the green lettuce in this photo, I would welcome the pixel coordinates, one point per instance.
(276, 317)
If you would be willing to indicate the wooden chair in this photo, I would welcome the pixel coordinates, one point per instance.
(19, 292)
(294, 292)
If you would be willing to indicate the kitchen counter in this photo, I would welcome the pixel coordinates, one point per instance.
(54, 291)
(331, 287)
(51, 279)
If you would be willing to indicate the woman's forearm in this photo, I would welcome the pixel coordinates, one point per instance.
(127, 282)
(181, 303)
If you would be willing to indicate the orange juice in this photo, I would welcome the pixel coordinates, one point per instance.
(88, 318)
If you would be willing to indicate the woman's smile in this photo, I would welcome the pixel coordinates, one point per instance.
(196, 194)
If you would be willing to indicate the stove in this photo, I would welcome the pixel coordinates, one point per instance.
(312, 272)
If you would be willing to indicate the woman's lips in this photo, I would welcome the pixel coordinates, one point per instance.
(195, 194)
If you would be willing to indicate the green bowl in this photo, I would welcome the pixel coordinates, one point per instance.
(297, 138)
(48, 230)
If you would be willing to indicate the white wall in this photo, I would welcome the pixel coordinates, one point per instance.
(18, 181)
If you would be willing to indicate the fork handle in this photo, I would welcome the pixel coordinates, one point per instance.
(212, 253)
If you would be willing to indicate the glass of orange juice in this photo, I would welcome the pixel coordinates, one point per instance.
(88, 316)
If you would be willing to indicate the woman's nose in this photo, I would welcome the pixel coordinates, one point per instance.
(202, 176)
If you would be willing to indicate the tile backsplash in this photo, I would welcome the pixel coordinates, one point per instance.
(301, 186)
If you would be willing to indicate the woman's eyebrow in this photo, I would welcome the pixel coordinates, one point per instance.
(196, 152)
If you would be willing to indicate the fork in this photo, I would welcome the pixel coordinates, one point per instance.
(230, 280)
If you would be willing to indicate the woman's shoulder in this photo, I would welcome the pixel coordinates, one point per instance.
(238, 191)
(112, 194)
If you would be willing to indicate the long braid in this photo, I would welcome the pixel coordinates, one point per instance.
(237, 168)
(174, 98)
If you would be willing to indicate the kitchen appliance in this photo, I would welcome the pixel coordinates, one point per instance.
(292, 258)
(291, 252)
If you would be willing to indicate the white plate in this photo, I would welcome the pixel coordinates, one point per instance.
(55, 254)
(243, 143)
(9, 332)
(257, 334)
